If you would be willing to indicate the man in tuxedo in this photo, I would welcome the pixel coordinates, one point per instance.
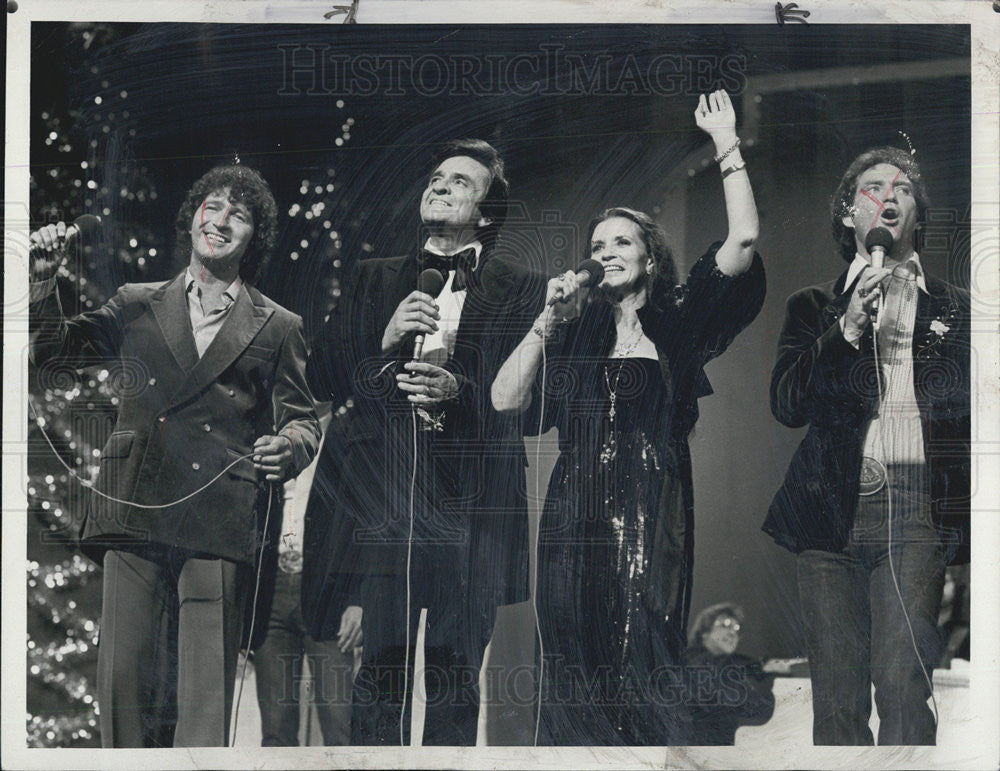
(875, 502)
(426, 486)
(184, 499)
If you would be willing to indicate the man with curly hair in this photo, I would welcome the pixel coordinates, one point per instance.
(221, 412)
(875, 502)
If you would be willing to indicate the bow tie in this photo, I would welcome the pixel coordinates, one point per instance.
(460, 262)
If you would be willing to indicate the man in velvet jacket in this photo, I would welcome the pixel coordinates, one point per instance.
(878, 491)
(219, 410)
(422, 439)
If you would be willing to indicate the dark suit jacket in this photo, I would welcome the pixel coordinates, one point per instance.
(476, 464)
(181, 419)
(822, 381)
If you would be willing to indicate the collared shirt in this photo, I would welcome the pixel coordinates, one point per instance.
(205, 322)
(894, 436)
(440, 345)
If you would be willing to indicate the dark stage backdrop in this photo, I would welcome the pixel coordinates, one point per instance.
(586, 117)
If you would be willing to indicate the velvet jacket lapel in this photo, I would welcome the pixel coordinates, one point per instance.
(246, 318)
(170, 310)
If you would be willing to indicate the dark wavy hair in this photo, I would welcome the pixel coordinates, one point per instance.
(704, 621)
(843, 199)
(654, 237)
(249, 188)
(495, 204)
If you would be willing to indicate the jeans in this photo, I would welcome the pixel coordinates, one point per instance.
(856, 631)
(278, 664)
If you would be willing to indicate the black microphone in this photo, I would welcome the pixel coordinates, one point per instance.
(429, 282)
(876, 242)
(589, 273)
(86, 226)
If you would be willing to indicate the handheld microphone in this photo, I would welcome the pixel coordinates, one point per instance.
(86, 226)
(876, 242)
(589, 273)
(429, 282)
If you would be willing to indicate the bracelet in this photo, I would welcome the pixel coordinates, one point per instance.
(720, 158)
(537, 329)
(733, 169)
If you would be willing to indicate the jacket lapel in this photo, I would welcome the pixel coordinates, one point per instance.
(245, 320)
(170, 310)
(840, 300)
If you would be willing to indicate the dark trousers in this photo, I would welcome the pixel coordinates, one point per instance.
(171, 628)
(278, 664)
(856, 631)
(453, 650)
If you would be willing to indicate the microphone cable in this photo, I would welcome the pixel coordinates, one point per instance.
(409, 555)
(537, 540)
(882, 391)
(260, 561)
(253, 617)
(90, 485)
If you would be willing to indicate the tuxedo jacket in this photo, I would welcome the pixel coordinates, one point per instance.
(182, 420)
(469, 492)
(821, 381)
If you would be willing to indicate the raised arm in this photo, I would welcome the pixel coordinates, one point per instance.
(89, 337)
(511, 389)
(717, 118)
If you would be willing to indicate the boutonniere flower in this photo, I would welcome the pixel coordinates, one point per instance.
(939, 328)
(934, 338)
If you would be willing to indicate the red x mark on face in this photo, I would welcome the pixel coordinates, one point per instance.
(883, 190)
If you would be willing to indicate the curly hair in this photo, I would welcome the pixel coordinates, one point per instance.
(843, 199)
(249, 188)
(496, 202)
(703, 622)
(654, 238)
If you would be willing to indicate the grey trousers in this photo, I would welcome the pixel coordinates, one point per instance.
(171, 627)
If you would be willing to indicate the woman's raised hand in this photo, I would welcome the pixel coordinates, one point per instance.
(717, 118)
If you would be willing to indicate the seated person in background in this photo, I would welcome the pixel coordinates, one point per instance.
(727, 689)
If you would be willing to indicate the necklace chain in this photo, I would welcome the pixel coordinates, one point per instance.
(611, 446)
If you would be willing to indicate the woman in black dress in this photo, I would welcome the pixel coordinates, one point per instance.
(621, 381)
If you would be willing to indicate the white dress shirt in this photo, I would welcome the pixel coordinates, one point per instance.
(440, 345)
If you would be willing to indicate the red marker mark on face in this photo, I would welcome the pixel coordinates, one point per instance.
(896, 230)
(204, 235)
(225, 215)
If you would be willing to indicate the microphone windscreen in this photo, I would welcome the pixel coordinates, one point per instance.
(431, 282)
(594, 272)
(879, 237)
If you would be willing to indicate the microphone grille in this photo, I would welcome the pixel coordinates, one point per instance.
(878, 237)
(431, 282)
(594, 271)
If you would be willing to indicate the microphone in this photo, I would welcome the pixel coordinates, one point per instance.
(588, 273)
(85, 226)
(430, 282)
(876, 242)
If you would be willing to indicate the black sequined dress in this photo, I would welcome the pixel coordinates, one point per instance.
(596, 547)
(616, 535)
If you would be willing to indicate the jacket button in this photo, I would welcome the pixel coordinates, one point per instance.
(152, 381)
(196, 466)
(163, 418)
(232, 393)
(207, 427)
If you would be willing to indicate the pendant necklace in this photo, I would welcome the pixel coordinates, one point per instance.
(610, 448)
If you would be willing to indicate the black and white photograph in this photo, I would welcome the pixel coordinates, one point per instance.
(527, 385)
